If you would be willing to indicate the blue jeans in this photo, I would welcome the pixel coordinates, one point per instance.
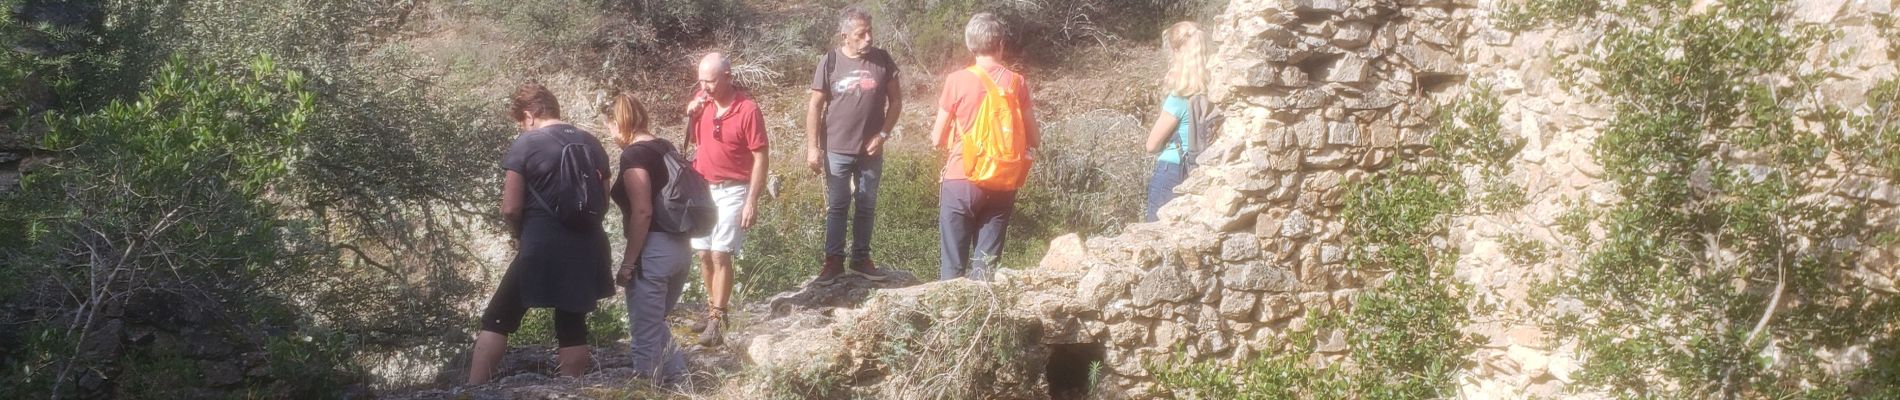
(655, 289)
(970, 216)
(851, 186)
(1167, 175)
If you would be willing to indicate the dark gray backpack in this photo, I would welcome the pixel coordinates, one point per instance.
(575, 195)
(685, 204)
(1204, 121)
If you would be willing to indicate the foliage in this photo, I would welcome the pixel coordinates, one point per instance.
(607, 324)
(373, 201)
(1080, 185)
(1718, 274)
(1405, 332)
(930, 33)
(953, 341)
(1518, 17)
(1523, 251)
(167, 192)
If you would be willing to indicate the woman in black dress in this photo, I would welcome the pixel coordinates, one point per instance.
(556, 266)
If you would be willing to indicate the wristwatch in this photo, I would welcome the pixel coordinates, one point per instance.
(884, 135)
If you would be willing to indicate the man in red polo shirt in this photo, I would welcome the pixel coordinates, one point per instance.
(729, 131)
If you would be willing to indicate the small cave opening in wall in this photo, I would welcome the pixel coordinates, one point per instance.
(1074, 369)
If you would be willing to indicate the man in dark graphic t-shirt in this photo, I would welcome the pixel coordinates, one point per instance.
(855, 102)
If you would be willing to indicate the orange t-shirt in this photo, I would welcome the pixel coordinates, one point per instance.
(962, 95)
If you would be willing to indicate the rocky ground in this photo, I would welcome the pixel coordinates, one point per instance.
(531, 372)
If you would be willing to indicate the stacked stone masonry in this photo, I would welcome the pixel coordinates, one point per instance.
(1321, 93)
(1318, 95)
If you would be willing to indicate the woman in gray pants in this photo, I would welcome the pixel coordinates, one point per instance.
(653, 269)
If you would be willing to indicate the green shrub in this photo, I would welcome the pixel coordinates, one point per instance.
(169, 191)
(1518, 17)
(1523, 251)
(1405, 333)
(605, 326)
(1667, 319)
(930, 33)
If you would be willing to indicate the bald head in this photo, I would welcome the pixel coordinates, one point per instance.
(714, 63)
(715, 75)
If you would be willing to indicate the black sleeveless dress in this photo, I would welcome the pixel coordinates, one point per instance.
(556, 266)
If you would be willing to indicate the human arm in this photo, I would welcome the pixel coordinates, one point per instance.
(815, 131)
(514, 189)
(893, 109)
(940, 130)
(636, 222)
(761, 165)
(1032, 129)
(1165, 125)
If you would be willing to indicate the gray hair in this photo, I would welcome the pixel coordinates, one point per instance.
(984, 34)
(852, 14)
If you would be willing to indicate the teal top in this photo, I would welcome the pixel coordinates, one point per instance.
(1177, 105)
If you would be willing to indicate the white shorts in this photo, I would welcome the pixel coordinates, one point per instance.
(726, 236)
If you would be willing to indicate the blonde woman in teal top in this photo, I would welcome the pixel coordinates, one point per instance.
(1187, 77)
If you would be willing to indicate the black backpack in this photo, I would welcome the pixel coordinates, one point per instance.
(1204, 123)
(576, 195)
(685, 204)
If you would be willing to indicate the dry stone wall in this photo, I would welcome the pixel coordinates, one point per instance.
(1321, 93)
(1318, 94)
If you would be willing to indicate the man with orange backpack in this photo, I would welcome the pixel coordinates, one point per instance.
(985, 126)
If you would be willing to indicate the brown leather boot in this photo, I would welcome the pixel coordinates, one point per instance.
(834, 267)
(865, 268)
(715, 333)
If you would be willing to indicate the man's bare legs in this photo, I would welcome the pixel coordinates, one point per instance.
(716, 271)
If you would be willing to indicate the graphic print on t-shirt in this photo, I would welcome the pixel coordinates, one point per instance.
(855, 83)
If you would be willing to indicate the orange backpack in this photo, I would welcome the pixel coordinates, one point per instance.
(996, 147)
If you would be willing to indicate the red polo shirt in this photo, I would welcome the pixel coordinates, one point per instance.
(725, 142)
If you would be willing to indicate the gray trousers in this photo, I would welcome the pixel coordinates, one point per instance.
(843, 172)
(654, 291)
(968, 216)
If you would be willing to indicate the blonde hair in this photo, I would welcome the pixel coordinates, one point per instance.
(1187, 60)
(628, 118)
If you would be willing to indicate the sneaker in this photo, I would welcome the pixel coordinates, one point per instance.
(863, 267)
(834, 267)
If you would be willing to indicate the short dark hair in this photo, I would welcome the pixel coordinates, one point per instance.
(852, 14)
(532, 97)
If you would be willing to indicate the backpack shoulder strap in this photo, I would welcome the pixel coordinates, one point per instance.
(825, 66)
(989, 83)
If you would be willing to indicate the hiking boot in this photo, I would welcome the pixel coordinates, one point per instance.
(699, 325)
(834, 267)
(863, 267)
(714, 334)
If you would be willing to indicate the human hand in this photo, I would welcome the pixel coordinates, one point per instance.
(875, 146)
(625, 276)
(815, 161)
(748, 215)
(698, 103)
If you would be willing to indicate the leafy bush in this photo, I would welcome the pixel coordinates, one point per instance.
(1713, 277)
(170, 192)
(1404, 333)
(930, 33)
(379, 205)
